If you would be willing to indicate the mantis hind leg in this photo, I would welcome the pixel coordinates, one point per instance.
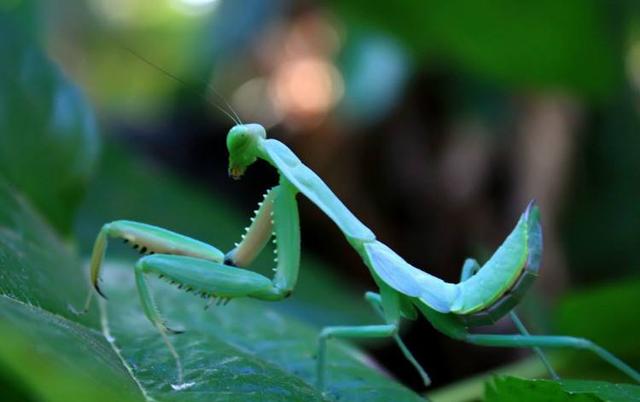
(470, 268)
(533, 341)
(523, 330)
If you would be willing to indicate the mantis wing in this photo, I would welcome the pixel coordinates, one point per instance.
(409, 280)
(309, 184)
(521, 250)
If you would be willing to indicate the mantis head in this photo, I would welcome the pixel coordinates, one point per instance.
(243, 143)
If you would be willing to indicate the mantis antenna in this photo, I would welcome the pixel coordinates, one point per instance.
(233, 115)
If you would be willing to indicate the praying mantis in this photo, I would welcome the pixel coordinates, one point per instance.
(484, 294)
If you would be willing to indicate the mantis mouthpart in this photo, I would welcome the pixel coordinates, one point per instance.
(484, 294)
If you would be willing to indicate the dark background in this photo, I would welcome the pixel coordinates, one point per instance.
(435, 122)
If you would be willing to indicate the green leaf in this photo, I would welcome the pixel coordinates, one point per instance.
(36, 268)
(54, 358)
(243, 351)
(516, 389)
(59, 360)
(48, 135)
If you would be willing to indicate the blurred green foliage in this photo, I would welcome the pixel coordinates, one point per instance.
(608, 315)
(602, 227)
(48, 131)
(541, 44)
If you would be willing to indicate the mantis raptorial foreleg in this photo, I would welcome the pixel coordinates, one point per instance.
(147, 239)
(201, 268)
(470, 268)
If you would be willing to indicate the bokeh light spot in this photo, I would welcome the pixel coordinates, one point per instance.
(306, 86)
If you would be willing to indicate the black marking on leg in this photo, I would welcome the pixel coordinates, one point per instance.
(97, 288)
(143, 250)
(229, 261)
(210, 302)
(174, 331)
(125, 241)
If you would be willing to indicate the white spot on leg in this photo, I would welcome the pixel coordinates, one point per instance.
(184, 385)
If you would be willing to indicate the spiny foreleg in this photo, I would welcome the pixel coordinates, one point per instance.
(147, 239)
(277, 218)
(217, 280)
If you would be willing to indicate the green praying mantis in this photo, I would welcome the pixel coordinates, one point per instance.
(483, 295)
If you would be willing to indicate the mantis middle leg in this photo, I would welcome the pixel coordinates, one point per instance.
(376, 301)
(470, 268)
(388, 306)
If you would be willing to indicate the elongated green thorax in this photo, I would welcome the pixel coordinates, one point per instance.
(309, 184)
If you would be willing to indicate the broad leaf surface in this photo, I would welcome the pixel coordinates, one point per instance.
(241, 351)
(59, 360)
(56, 358)
(504, 389)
